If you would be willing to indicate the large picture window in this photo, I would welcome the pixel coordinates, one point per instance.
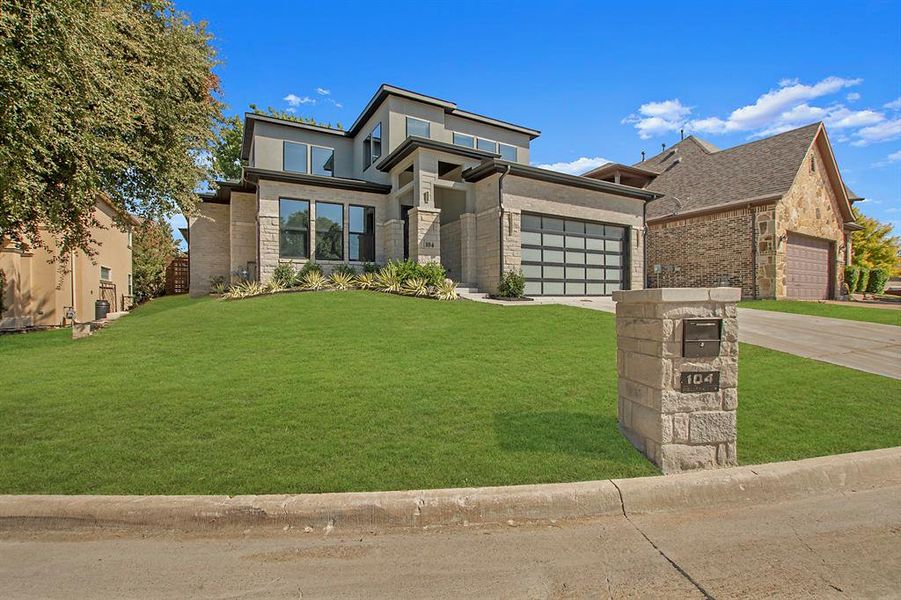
(329, 231)
(417, 127)
(293, 228)
(372, 146)
(361, 234)
(295, 157)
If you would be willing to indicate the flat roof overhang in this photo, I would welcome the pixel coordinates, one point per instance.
(494, 166)
(413, 143)
(254, 175)
(222, 193)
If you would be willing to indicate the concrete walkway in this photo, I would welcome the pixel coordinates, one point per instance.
(869, 347)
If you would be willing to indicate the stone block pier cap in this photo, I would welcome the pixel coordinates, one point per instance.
(677, 371)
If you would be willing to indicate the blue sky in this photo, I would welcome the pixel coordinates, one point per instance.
(602, 81)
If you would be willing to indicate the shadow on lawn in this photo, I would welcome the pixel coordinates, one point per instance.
(572, 433)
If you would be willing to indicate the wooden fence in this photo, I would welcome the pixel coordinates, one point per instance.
(178, 276)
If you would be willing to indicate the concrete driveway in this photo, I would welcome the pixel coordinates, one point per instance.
(863, 346)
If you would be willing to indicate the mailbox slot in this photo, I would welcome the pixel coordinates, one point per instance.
(701, 337)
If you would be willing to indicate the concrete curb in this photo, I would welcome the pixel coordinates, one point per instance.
(427, 508)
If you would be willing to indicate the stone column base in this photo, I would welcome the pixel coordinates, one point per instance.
(425, 235)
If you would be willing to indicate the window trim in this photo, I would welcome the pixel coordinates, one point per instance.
(343, 231)
(351, 232)
(515, 151)
(309, 229)
(285, 157)
(311, 159)
(454, 134)
(475, 144)
(109, 270)
(369, 158)
(407, 126)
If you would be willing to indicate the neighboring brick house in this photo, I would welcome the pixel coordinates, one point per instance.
(416, 177)
(772, 216)
(36, 295)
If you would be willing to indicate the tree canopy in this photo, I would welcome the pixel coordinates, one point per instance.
(874, 246)
(100, 97)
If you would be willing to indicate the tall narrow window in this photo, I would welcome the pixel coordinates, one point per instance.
(295, 157)
(418, 127)
(372, 146)
(329, 231)
(293, 228)
(131, 285)
(323, 160)
(361, 235)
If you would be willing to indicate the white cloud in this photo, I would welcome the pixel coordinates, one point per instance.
(894, 156)
(323, 91)
(852, 97)
(576, 167)
(893, 105)
(295, 101)
(654, 118)
(881, 132)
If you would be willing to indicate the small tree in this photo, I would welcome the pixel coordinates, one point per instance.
(852, 276)
(153, 249)
(874, 246)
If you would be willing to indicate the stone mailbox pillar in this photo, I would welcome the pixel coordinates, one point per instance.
(677, 366)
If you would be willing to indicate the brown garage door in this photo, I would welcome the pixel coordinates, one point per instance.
(807, 267)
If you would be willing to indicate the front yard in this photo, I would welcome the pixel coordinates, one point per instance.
(340, 391)
(848, 310)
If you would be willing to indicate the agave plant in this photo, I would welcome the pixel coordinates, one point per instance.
(416, 286)
(313, 280)
(366, 281)
(342, 280)
(218, 288)
(274, 286)
(245, 289)
(446, 290)
(389, 280)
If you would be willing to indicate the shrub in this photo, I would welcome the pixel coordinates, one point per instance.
(345, 270)
(366, 281)
(852, 276)
(878, 279)
(369, 267)
(416, 286)
(408, 269)
(513, 285)
(863, 281)
(285, 275)
(432, 272)
(309, 267)
(342, 280)
(313, 280)
(274, 286)
(446, 290)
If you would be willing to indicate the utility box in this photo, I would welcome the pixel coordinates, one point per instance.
(677, 368)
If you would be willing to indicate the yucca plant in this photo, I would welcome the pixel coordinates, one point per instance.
(366, 281)
(219, 288)
(416, 286)
(313, 280)
(342, 280)
(389, 280)
(446, 290)
(245, 289)
(274, 286)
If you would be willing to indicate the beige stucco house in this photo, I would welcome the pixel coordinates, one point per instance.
(38, 291)
(415, 176)
(772, 216)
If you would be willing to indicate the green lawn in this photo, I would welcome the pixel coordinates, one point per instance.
(885, 316)
(363, 391)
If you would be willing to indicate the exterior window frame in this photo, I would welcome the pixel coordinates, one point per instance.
(361, 234)
(306, 249)
(472, 138)
(511, 146)
(285, 157)
(481, 139)
(428, 125)
(369, 155)
(310, 153)
(131, 285)
(109, 273)
(343, 251)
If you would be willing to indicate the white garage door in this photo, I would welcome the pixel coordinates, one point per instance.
(807, 267)
(572, 258)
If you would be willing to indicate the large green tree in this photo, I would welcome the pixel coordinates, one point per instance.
(875, 246)
(153, 249)
(100, 97)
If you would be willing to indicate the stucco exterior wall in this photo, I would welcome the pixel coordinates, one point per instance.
(810, 208)
(210, 253)
(268, 146)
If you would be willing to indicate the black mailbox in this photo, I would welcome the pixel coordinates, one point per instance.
(701, 337)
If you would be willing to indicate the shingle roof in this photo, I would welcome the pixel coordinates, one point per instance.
(701, 176)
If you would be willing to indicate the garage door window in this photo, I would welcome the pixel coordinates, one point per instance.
(571, 257)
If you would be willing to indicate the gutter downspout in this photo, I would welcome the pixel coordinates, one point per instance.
(72, 273)
(500, 221)
(644, 244)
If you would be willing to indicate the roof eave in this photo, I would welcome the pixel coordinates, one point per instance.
(254, 175)
(413, 143)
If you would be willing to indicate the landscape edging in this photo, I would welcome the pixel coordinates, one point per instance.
(735, 486)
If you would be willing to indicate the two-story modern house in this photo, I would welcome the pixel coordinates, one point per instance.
(416, 177)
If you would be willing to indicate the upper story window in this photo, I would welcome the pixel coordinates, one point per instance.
(307, 158)
(293, 228)
(487, 145)
(461, 139)
(418, 127)
(106, 274)
(372, 146)
(507, 152)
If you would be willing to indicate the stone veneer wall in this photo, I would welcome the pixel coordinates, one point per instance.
(209, 250)
(425, 235)
(810, 207)
(451, 250)
(243, 232)
(676, 430)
